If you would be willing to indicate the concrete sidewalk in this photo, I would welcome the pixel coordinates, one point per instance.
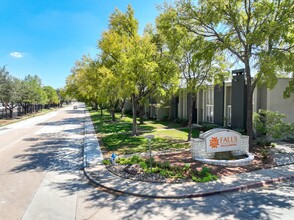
(100, 176)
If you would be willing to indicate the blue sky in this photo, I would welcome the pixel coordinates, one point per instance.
(46, 37)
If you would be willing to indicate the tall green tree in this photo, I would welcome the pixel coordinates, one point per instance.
(200, 61)
(259, 34)
(10, 94)
(52, 97)
(131, 58)
(167, 69)
(32, 91)
(290, 88)
(90, 83)
(10, 91)
(63, 96)
(3, 77)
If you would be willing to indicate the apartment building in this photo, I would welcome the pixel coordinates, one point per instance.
(226, 104)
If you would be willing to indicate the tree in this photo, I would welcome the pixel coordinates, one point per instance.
(167, 68)
(199, 60)
(3, 76)
(88, 82)
(63, 96)
(289, 89)
(258, 33)
(10, 94)
(32, 92)
(130, 58)
(52, 97)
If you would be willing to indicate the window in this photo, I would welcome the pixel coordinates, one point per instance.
(209, 113)
(229, 115)
(209, 105)
(209, 97)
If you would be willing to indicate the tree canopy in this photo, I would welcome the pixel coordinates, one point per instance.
(258, 34)
(23, 92)
(192, 41)
(200, 61)
(129, 66)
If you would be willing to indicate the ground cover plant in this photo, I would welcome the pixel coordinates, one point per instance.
(165, 168)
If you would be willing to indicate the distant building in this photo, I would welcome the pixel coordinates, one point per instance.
(226, 105)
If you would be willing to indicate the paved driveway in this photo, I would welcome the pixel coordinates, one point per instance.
(40, 163)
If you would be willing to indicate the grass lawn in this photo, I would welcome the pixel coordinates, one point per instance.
(116, 136)
(162, 124)
(180, 133)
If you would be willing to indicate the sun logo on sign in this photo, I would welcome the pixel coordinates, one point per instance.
(213, 142)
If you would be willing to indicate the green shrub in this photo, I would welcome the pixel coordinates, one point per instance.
(163, 172)
(264, 154)
(135, 159)
(170, 173)
(179, 176)
(150, 161)
(165, 168)
(271, 125)
(204, 171)
(106, 162)
(182, 121)
(204, 175)
(164, 165)
(241, 131)
(155, 170)
(124, 161)
(208, 178)
(143, 165)
(208, 125)
(186, 167)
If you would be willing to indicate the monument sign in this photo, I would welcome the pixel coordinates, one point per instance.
(220, 140)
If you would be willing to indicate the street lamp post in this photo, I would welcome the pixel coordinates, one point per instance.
(149, 137)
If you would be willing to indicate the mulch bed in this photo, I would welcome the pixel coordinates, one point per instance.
(180, 158)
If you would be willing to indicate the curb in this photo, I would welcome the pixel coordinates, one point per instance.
(204, 194)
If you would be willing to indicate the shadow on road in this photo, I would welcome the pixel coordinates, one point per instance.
(62, 152)
(66, 121)
(56, 148)
(242, 205)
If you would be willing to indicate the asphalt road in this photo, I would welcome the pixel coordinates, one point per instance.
(41, 178)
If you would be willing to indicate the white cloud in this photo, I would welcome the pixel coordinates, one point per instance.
(16, 54)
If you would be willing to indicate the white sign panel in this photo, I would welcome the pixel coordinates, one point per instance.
(220, 140)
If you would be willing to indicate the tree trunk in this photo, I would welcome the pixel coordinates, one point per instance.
(113, 114)
(101, 111)
(249, 106)
(190, 114)
(134, 109)
(141, 109)
(25, 109)
(123, 108)
(6, 108)
(170, 109)
(10, 112)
